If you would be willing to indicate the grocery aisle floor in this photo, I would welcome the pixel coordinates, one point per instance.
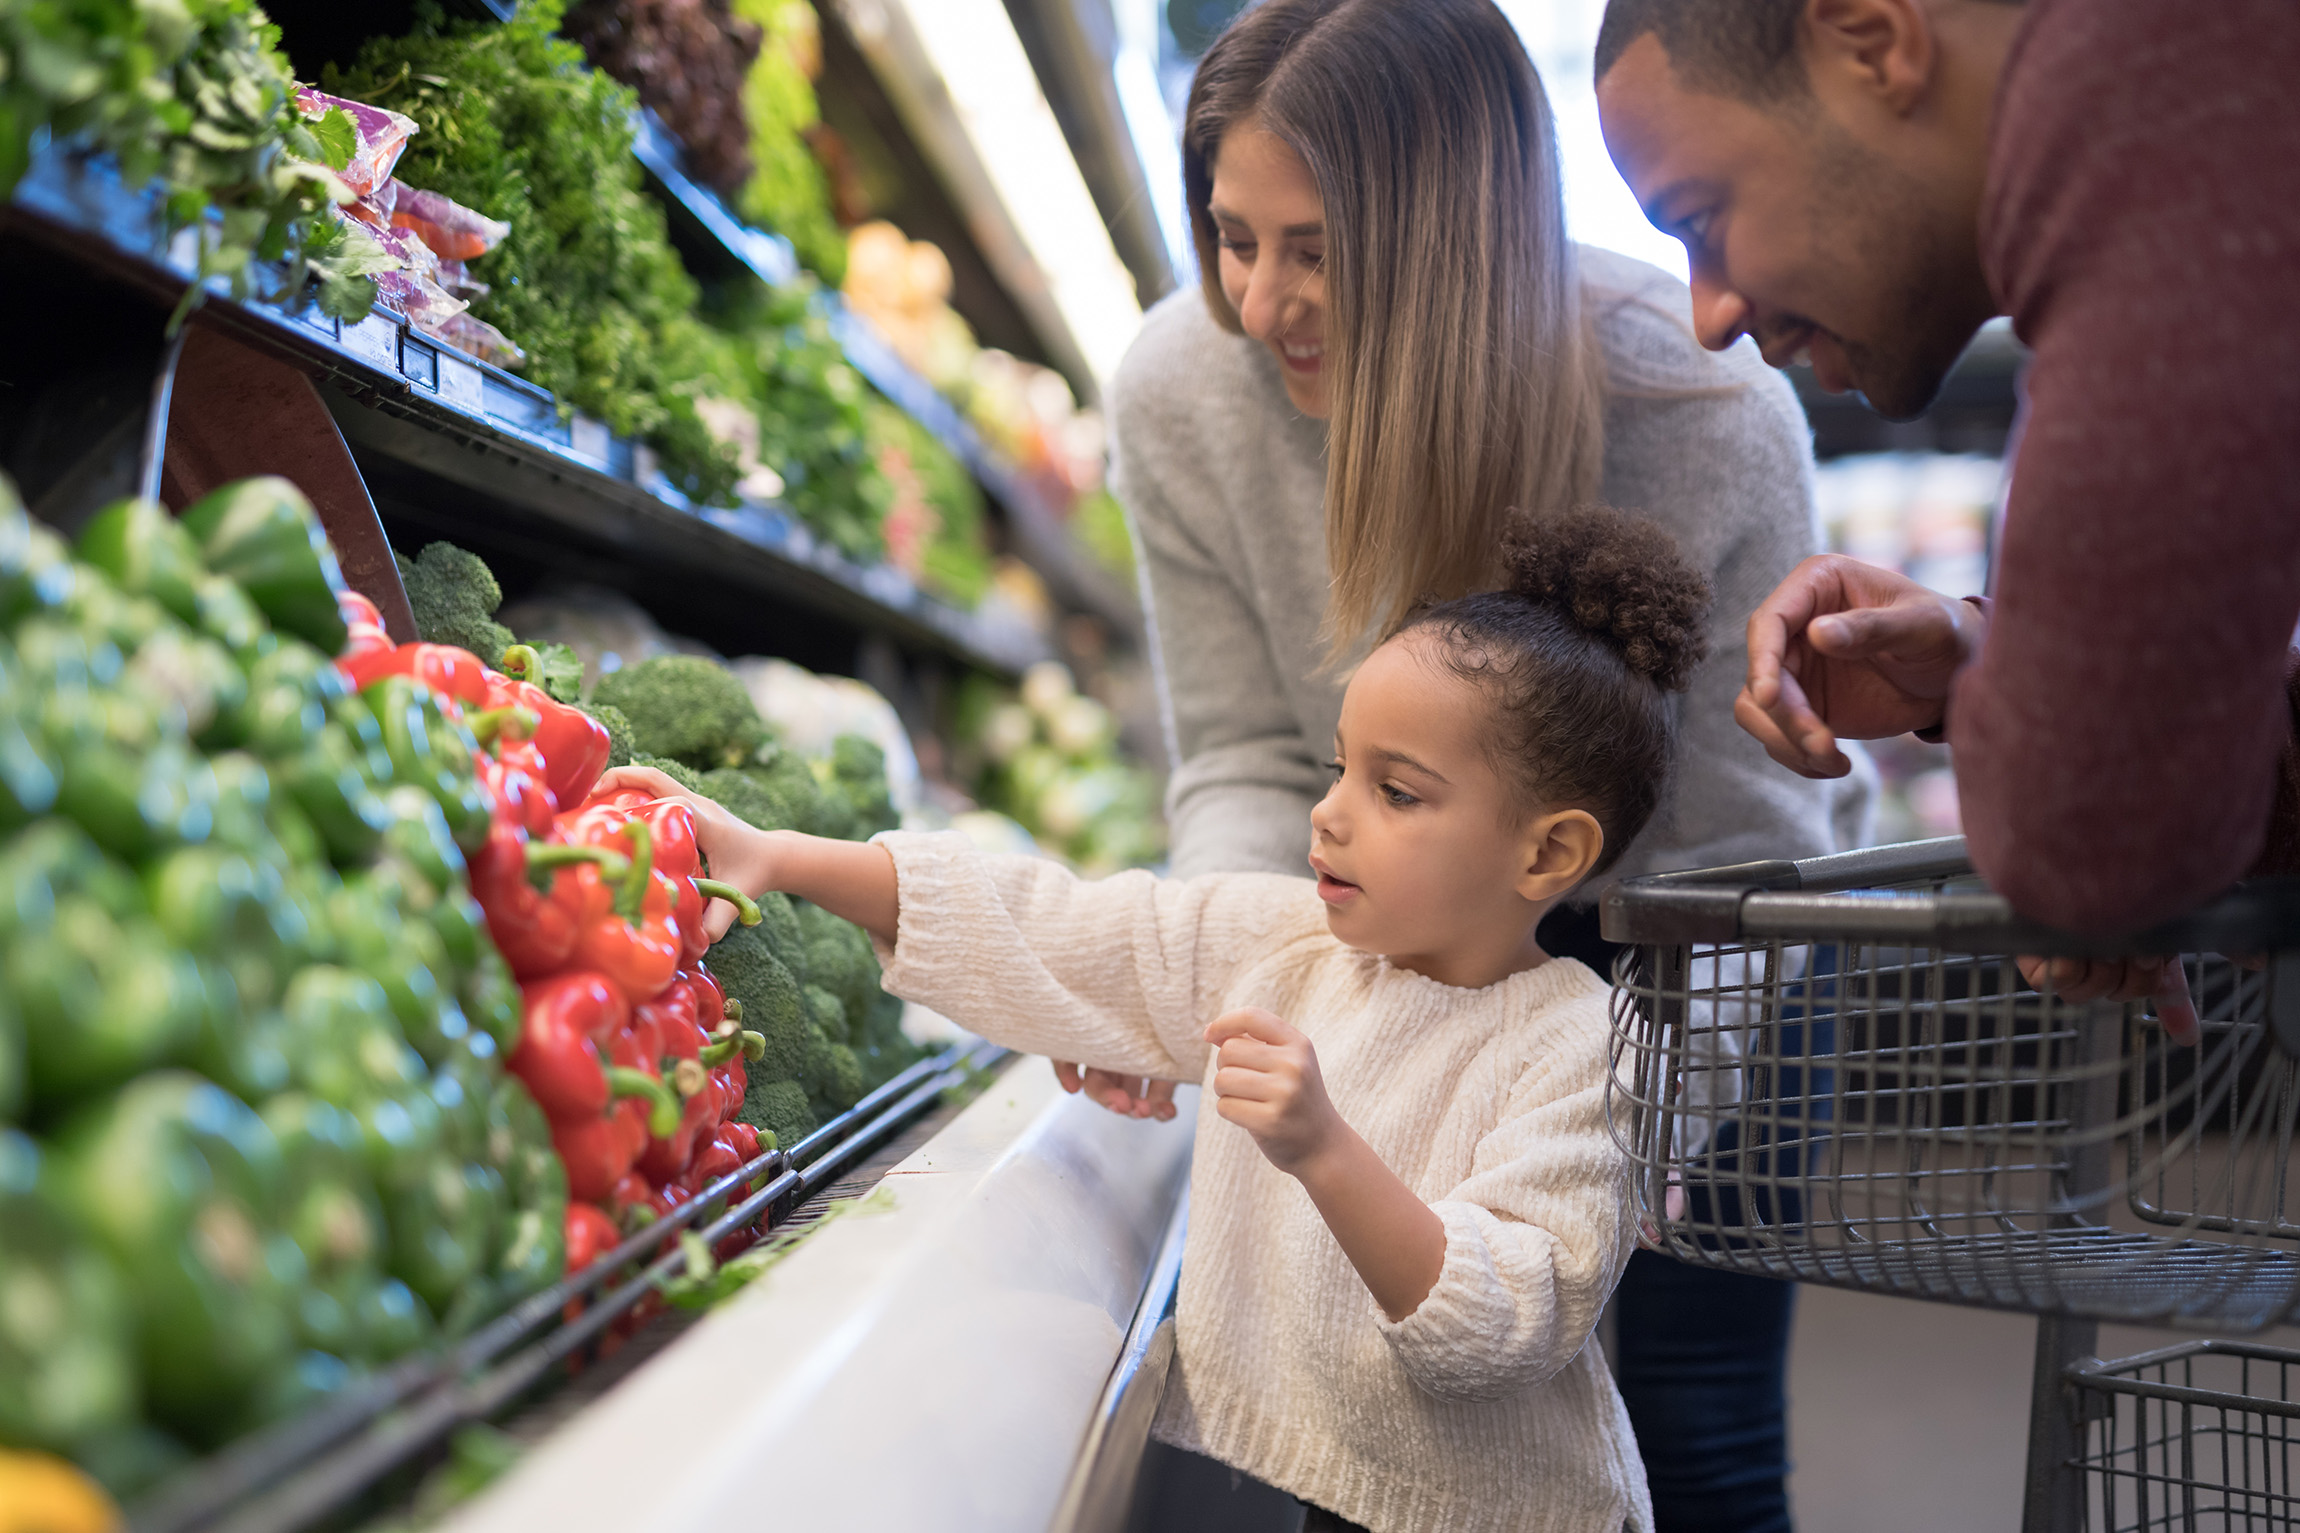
(1913, 1418)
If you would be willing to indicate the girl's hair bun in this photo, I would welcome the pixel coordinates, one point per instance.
(1617, 578)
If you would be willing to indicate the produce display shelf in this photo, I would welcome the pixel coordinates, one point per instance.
(306, 1469)
(500, 443)
(1038, 531)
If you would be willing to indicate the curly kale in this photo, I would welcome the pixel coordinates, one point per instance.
(454, 596)
(685, 707)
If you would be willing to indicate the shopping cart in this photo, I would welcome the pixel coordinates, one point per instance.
(1833, 1071)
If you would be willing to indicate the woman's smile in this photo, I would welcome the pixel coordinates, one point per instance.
(1304, 357)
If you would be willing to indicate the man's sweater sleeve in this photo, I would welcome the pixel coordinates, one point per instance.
(1123, 973)
(1536, 1237)
(2118, 738)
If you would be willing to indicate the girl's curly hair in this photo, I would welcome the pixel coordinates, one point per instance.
(1601, 620)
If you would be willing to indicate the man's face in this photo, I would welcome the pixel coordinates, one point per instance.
(1800, 234)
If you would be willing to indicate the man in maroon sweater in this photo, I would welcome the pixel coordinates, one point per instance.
(1866, 182)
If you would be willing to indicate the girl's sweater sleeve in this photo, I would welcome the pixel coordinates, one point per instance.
(1536, 1237)
(1123, 973)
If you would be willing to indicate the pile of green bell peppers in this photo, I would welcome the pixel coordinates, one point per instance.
(255, 1134)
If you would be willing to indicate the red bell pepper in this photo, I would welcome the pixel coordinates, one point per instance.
(575, 745)
(536, 927)
(598, 1152)
(590, 1235)
(566, 1020)
(514, 775)
(365, 625)
(712, 1161)
(450, 672)
(636, 942)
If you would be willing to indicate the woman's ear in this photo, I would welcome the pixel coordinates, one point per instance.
(1559, 850)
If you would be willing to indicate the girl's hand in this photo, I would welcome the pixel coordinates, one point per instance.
(1129, 1096)
(742, 855)
(1267, 1082)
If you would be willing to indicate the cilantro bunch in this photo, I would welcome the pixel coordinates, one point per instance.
(515, 125)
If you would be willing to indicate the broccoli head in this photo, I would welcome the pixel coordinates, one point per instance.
(838, 958)
(779, 925)
(826, 1012)
(834, 1078)
(772, 1004)
(454, 597)
(618, 731)
(678, 771)
(858, 770)
(778, 1108)
(749, 798)
(687, 708)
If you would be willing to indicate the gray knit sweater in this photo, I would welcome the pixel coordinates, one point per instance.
(1224, 484)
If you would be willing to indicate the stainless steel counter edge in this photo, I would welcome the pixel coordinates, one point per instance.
(928, 1365)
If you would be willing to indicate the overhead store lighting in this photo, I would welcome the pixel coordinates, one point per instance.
(1157, 137)
(972, 46)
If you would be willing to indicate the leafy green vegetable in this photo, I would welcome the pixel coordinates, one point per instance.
(561, 675)
(516, 126)
(194, 99)
(787, 192)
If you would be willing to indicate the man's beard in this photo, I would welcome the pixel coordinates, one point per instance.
(1930, 282)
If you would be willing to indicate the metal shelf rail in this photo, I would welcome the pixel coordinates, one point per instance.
(397, 392)
(305, 1469)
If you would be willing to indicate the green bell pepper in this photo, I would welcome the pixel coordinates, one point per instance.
(228, 617)
(100, 999)
(342, 1043)
(234, 912)
(177, 1180)
(27, 774)
(37, 575)
(12, 1088)
(401, 952)
(290, 690)
(328, 781)
(491, 1000)
(330, 1210)
(67, 1353)
(263, 533)
(433, 752)
(193, 684)
(146, 553)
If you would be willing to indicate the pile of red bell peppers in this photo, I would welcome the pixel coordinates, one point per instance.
(596, 901)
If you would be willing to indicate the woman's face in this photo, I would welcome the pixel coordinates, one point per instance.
(1271, 225)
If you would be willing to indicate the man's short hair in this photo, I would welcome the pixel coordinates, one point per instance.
(1741, 48)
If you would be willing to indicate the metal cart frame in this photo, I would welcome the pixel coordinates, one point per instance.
(1833, 1071)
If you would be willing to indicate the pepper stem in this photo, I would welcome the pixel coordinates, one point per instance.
(752, 1046)
(746, 908)
(521, 663)
(664, 1115)
(734, 1010)
(553, 855)
(485, 727)
(688, 1077)
(631, 899)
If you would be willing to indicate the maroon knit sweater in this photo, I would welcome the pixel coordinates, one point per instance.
(2122, 740)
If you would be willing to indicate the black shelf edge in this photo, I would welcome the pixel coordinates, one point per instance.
(503, 440)
(1039, 533)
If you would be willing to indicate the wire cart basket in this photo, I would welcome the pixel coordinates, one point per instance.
(1834, 1071)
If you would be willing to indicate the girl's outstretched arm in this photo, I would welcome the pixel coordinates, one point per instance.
(1267, 1082)
(853, 880)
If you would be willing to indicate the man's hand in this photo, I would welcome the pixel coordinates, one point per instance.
(1844, 650)
(1266, 1081)
(2162, 980)
(1129, 1096)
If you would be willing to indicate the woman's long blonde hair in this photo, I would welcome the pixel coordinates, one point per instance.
(1464, 383)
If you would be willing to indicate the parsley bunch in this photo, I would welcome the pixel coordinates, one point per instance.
(515, 125)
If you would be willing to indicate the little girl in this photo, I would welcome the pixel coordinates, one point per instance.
(1406, 1209)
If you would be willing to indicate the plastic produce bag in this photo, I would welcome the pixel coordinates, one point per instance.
(477, 338)
(414, 289)
(383, 135)
(453, 231)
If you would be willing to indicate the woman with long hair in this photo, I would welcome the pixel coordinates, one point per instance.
(1393, 349)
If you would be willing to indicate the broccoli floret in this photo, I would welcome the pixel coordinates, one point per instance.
(779, 925)
(688, 708)
(744, 797)
(778, 1108)
(618, 731)
(454, 596)
(678, 771)
(834, 1076)
(793, 799)
(838, 958)
(826, 1012)
(858, 768)
(881, 1045)
(772, 1004)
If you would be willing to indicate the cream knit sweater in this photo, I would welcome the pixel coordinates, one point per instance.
(1489, 1407)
